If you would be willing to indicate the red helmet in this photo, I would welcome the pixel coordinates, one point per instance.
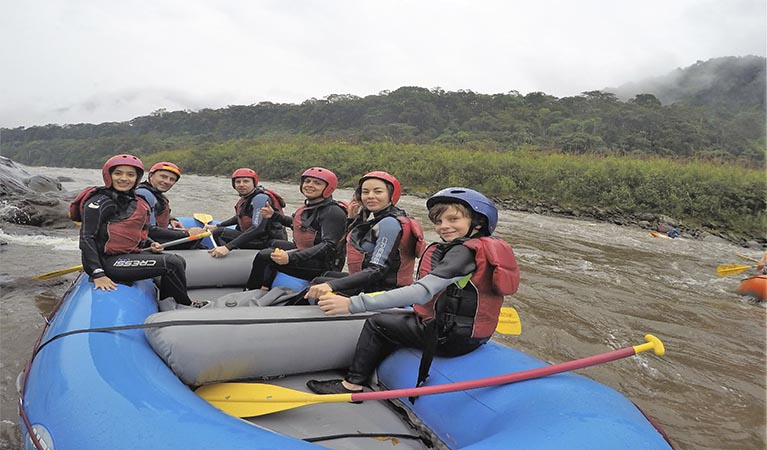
(395, 188)
(244, 172)
(169, 166)
(121, 160)
(322, 174)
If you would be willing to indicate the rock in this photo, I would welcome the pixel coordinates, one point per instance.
(662, 218)
(12, 178)
(31, 200)
(42, 183)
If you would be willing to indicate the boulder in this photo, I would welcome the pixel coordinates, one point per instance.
(31, 199)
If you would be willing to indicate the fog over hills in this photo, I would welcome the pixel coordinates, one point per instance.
(729, 82)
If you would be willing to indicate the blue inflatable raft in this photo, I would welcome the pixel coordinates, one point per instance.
(111, 371)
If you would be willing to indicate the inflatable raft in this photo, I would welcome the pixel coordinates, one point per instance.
(755, 287)
(111, 371)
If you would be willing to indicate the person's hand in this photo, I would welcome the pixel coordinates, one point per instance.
(280, 256)
(176, 224)
(209, 227)
(354, 208)
(195, 230)
(155, 247)
(763, 262)
(318, 290)
(267, 211)
(219, 252)
(332, 304)
(104, 284)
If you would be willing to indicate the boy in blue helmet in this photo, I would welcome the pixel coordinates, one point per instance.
(457, 298)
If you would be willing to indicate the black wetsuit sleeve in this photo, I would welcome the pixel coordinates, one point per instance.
(331, 223)
(285, 221)
(97, 211)
(387, 241)
(161, 234)
(228, 222)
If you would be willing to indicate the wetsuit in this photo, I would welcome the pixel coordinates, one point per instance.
(114, 229)
(159, 219)
(325, 222)
(453, 332)
(374, 244)
(252, 231)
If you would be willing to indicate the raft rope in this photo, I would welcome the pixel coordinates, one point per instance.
(173, 323)
(382, 436)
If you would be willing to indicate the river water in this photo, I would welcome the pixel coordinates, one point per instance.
(587, 288)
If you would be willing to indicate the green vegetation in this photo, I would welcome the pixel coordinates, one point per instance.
(701, 194)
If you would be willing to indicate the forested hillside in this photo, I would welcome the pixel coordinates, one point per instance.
(723, 122)
(700, 159)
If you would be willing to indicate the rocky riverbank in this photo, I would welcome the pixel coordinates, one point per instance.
(36, 200)
(647, 221)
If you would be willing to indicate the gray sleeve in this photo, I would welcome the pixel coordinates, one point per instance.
(419, 292)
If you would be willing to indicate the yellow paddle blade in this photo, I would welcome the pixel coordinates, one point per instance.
(731, 269)
(58, 273)
(204, 218)
(508, 321)
(256, 399)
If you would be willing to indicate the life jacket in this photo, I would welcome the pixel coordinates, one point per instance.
(76, 207)
(124, 232)
(244, 209)
(471, 307)
(411, 244)
(304, 234)
(158, 204)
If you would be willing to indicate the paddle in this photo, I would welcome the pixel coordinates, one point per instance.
(61, 272)
(255, 399)
(508, 321)
(205, 219)
(747, 257)
(195, 237)
(731, 269)
(58, 273)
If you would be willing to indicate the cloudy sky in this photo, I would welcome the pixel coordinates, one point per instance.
(94, 61)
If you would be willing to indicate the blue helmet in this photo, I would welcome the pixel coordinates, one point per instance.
(472, 200)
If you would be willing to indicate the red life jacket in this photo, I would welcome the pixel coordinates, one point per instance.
(125, 234)
(244, 211)
(304, 235)
(158, 203)
(473, 310)
(411, 244)
(76, 207)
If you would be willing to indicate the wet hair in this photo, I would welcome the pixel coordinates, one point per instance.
(438, 209)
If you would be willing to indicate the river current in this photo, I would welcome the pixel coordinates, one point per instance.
(587, 288)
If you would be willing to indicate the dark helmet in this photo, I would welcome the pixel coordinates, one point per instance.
(122, 160)
(395, 189)
(169, 166)
(244, 172)
(322, 174)
(472, 200)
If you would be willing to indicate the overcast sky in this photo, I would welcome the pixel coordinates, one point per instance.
(74, 61)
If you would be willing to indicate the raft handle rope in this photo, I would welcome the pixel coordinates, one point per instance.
(170, 323)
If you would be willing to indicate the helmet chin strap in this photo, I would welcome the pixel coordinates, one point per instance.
(474, 230)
